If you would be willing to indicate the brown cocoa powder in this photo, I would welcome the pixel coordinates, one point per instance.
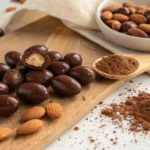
(117, 65)
(137, 108)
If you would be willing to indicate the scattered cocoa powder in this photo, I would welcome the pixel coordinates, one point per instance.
(137, 108)
(117, 65)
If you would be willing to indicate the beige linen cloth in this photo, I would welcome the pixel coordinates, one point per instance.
(79, 15)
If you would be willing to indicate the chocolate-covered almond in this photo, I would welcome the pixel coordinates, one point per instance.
(82, 74)
(21, 66)
(40, 48)
(4, 89)
(54, 56)
(1, 32)
(13, 78)
(58, 67)
(73, 59)
(127, 25)
(8, 105)
(36, 60)
(65, 85)
(123, 10)
(39, 76)
(12, 58)
(3, 69)
(32, 93)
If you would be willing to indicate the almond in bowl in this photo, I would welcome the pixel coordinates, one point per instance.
(128, 22)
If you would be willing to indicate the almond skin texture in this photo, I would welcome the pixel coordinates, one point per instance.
(107, 15)
(36, 112)
(5, 133)
(137, 32)
(109, 22)
(141, 7)
(137, 18)
(129, 4)
(112, 7)
(54, 110)
(30, 126)
(132, 10)
(116, 25)
(145, 27)
(120, 17)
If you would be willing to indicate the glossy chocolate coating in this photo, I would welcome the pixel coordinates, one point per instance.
(4, 89)
(27, 55)
(13, 78)
(39, 76)
(82, 74)
(3, 69)
(40, 48)
(8, 105)
(73, 59)
(32, 93)
(1, 32)
(58, 67)
(123, 10)
(127, 25)
(22, 67)
(148, 19)
(12, 58)
(54, 56)
(147, 13)
(65, 85)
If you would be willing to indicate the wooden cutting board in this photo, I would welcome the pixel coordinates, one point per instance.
(63, 40)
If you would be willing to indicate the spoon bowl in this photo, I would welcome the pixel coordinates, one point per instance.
(144, 66)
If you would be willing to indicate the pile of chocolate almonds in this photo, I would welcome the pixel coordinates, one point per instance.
(128, 18)
(28, 77)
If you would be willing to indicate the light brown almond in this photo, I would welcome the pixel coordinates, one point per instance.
(137, 18)
(116, 25)
(107, 15)
(132, 10)
(109, 22)
(112, 7)
(141, 7)
(54, 110)
(9, 9)
(36, 112)
(30, 126)
(137, 32)
(5, 133)
(129, 4)
(120, 17)
(145, 27)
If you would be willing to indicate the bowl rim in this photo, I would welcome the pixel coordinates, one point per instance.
(99, 21)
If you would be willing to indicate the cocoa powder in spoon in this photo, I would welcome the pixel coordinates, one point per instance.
(117, 65)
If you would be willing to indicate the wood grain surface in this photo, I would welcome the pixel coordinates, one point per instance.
(63, 40)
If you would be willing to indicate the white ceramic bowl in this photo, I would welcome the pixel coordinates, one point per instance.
(127, 41)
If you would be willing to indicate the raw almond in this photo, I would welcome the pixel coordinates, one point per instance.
(109, 22)
(129, 4)
(54, 110)
(132, 10)
(112, 7)
(116, 25)
(145, 27)
(30, 126)
(36, 112)
(9, 9)
(137, 18)
(107, 15)
(141, 7)
(5, 133)
(137, 32)
(120, 17)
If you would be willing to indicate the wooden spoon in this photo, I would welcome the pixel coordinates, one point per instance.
(144, 66)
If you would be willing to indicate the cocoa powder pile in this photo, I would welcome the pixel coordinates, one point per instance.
(117, 65)
(136, 109)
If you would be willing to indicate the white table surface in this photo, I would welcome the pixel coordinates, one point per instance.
(91, 125)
